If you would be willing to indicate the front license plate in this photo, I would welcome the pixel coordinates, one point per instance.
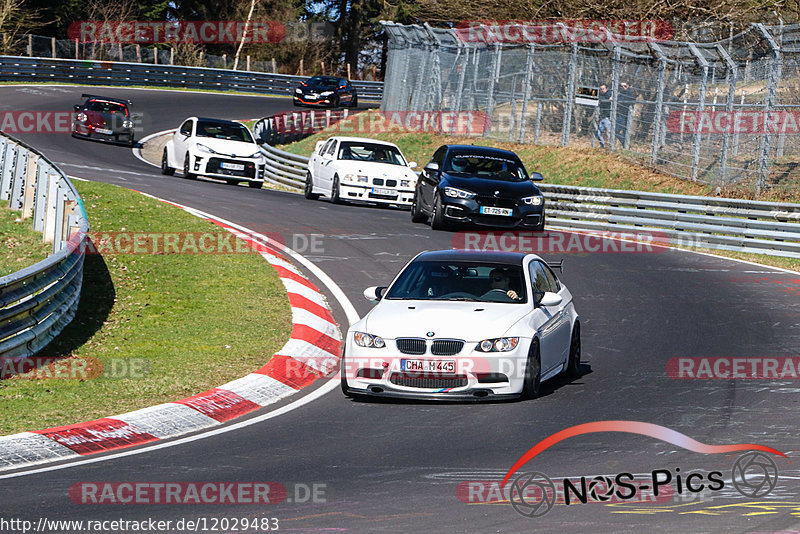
(428, 366)
(490, 210)
(384, 192)
(104, 131)
(232, 166)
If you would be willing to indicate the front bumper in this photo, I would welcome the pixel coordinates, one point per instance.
(211, 165)
(116, 136)
(308, 101)
(366, 193)
(468, 211)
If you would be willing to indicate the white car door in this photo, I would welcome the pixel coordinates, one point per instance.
(316, 161)
(326, 167)
(180, 143)
(549, 320)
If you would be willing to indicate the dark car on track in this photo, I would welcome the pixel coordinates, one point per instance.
(464, 184)
(104, 119)
(326, 91)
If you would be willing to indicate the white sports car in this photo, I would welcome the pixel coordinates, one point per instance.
(216, 148)
(355, 168)
(464, 325)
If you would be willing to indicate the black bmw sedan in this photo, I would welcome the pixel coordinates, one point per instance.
(327, 91)
(479, 185)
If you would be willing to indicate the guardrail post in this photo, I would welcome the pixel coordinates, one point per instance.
(40, 197)
(733, 74)
(58, 226)
(462, 73)
(51, 209)
(18, 179)
(7, 170)
(526, 92)
(570, 100)
(29, 189)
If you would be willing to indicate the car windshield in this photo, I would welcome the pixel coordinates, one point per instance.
(322, 81)
(103, 106)
(222, 130)
(371, 152)
(460, 280)
(486, 166)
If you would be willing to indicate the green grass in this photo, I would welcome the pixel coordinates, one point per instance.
(21, 245)
(195, 321)
(583, 166)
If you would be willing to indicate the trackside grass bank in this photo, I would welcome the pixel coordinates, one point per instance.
(20, 245)
(150, 328)
(589, 167)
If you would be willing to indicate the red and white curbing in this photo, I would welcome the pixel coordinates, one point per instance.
(312, 351)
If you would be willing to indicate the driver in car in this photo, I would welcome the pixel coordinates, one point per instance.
(499, 279)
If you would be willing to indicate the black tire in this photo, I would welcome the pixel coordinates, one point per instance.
(533, 373)
(574, 360)
(437, 218)
(132, 142)
(335, 198)
(307, 190)
(354, 102)
(186, 173)
(416, 211)
(165, 168)
(255, 185)
(343, 379)
(336, 103)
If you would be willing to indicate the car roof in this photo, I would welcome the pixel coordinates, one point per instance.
(218, 121)
(502, 258)
(477, 149)
(364, 140)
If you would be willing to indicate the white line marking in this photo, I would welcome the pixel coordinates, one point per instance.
(137, 151)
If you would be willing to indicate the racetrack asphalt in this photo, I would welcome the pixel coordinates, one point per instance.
(396, 466)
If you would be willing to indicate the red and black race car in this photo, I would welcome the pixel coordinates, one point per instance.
(104, 119)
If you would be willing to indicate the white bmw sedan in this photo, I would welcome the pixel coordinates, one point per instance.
(356, 168)
(216, 148)
(464, 325)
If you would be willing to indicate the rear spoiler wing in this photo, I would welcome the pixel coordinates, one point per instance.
(556, 265)
(128, 102)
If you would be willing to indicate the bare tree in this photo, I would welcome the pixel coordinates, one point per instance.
(14, 19)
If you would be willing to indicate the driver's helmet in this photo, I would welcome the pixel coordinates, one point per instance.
(459, 164)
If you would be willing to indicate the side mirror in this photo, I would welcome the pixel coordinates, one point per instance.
(412, 164)
(375, 293)
(537, 176)
(432, 167)
(319, 145)
(76, 107)
(550, 299)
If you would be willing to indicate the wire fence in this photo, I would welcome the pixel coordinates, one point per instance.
(725, 113)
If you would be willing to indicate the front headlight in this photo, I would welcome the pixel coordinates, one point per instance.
(454, 192)
(256, 154)
(326, 93)
(367, 340)
(127, 123)
(533, 201)
(408, 183)
(81, 117)
(500, 344)
(203, 148)
(356, 178)
(298, 91)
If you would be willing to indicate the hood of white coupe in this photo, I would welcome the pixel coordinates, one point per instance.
(470, 321)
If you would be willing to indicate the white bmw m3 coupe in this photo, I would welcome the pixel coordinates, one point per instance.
(464, 325)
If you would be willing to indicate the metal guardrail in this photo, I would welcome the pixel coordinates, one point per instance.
(36, 69)
(37, 302)
(771, 228)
